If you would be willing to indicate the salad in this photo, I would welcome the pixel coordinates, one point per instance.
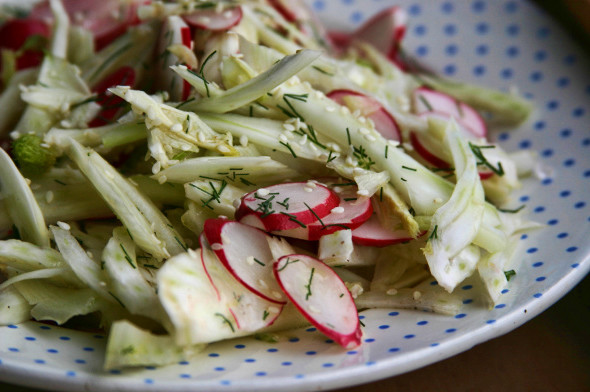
(181, 173)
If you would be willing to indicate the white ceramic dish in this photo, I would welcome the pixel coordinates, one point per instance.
(503, 44)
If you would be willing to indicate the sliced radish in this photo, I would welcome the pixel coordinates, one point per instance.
(372, 233)
(369, 107)
(249, 310)
(384, 31)
(111, 104)
(321, 296)
(106, 19)
(289, 205)
(245, 252)
(210, 19)
(174, 32)
(428, 100)
(350, 214)
(433, 151)
(292, 11)
(15, 32)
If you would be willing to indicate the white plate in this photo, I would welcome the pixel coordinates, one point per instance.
(495, 43)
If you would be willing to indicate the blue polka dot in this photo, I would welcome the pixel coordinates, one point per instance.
(540, 278)
(575, 265)
(447, 8)
(563, 82)
(500, 306)
(13, 349)
(538, 264)
(524, 198)
(451, 330)
(490, 321)
(240, 346)
(71, 373)
(369, 340)
(503, 136)
(543, 32)
(547, 153)
(328, 365)
(513, 30)
(479, 70)
(450, 29)
(40, 361)
(434, 344)
(580, 204)
(537, 295)
(512, 51)
(460, 316)
(578, 112)
(562, 235)
(385, 326)
(570, 59)
(571, 249)
(219, 368)
(356, 17)
(539, 209)
(299, 376)
(552, 105)
(422, 50)
(536, 76)
(319, 5)
(565, 133)
(393, 313)
(64, 338)
(260, 374)
(183, 362)
(394, 349)
(482, 28)
(114, 371)
(482, 50)
(52, 351)
(352, 352)
(286, 363)
(213, 355)
(310, 353)
(467, 287)
(547, 181)
(414, 9)
(293, 340)
(409, 336)
(88, 349)
(569, 162)
(272, 350)
(505, 291)
(532, 250)
(30, 338)
(450, 69)
(524, 144)
(511, 7)
(184, 375)
(420, 30)
(45, 327)
(370, 363)
(478, 6)
(451, 49)
(148, 381)
(249, 360)
(313, 329)
(423, 322)
(467, 301)
(540, 56)
(552, 222)
(225, 382)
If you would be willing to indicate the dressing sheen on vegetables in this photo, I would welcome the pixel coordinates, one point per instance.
(181, 173)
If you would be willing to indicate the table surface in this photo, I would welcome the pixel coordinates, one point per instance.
(515, 361)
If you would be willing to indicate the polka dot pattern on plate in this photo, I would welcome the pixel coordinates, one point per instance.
(501, 43)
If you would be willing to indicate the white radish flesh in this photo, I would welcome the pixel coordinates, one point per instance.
(427, 100)
(372, 233)
(321, 296)
(210, 19)
(245, 253)
(369, 107)
(248, 310)
(290, 205)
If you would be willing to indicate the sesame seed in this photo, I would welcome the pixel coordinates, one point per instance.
(216, 246)
(338, 210)
(63, 225)
(362, 192)
(49, 196)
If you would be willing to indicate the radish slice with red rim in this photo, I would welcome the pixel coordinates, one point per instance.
(210, 19)
(15, 32)
(350, 214)
(321, 296)
(428, 100)
(174, 32)
(245, 253)
(289, 205)
(373, 233)
(106, 19)
(369, 107)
